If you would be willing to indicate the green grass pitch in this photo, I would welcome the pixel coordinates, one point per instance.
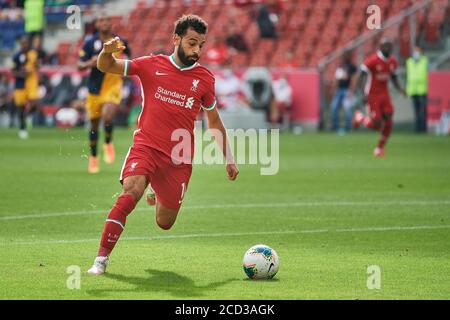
(330, 212)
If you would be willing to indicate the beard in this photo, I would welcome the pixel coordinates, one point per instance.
(386, 54)
(186, 60)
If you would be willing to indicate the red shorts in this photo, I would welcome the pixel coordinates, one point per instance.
(169, 181)
(379, 105)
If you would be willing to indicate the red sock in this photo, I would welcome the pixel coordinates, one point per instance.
(385, 133)
(367, 122)
(115, 223)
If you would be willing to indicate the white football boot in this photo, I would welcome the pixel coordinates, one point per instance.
(23, 134)
(150, 196)
(99, 266)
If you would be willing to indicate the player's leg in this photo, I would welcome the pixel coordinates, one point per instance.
(386, 128)
(20, 104)
(93, 166)
(32, 92)
(170, 187)
(416, 108)
(335, 107)
(386, 131)
(109, 111)
(33, 110)
(374, 118)
(132, 190)
(93, 108)
(165, 217)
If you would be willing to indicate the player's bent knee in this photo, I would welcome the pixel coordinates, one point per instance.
(165, 218)
(164, 225)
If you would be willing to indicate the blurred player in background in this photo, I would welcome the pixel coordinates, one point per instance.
(376, 71)
(105, 91)
(175, 89)
(26, 64)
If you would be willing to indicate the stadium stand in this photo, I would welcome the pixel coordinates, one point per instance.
(309, 29)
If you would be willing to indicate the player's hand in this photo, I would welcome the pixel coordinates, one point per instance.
(232, 171)
(113, 46)
(403, 92)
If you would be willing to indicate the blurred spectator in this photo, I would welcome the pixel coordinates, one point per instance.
(282, 92)
(258, 89)
(343, 97)
(266, 25)
(11, 25)
(235, 39)
(6, 88)
(12, 12)
(36, 44)
(4, 4)
(417, 87)
(229, 91)
(217, 54)
(34, 17)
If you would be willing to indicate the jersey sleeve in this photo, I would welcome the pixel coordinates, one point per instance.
(134, 67)
(368, 65)
(86, 51)
(209, 98)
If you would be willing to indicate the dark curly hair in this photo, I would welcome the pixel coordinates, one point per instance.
(190, 21)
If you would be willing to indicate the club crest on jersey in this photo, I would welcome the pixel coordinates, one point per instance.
(133, 166)
(195, 85)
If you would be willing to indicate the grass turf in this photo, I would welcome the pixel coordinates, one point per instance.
(330, 212)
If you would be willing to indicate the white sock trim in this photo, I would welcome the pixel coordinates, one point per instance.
(115, 221)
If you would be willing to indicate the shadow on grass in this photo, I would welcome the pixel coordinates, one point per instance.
(159, 281)
(261, 280)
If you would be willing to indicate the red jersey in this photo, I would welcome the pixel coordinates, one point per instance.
(380, 70)
(172, 97)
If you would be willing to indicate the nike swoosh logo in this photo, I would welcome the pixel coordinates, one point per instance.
(161, 73)
(270, 267)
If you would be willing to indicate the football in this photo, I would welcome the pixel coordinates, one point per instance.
(261, 262)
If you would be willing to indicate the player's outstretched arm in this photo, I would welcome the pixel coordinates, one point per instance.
(397, 85)
(106, 61)
(219, 132)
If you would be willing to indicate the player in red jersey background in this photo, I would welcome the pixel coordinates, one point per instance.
(376, 72)
(175, 88)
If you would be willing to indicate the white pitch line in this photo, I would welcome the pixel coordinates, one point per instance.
(247, 205)
(234, 234)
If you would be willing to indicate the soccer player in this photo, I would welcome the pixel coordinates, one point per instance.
(104, 91)
(26, 64)
(378, 69)
(175, 88)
